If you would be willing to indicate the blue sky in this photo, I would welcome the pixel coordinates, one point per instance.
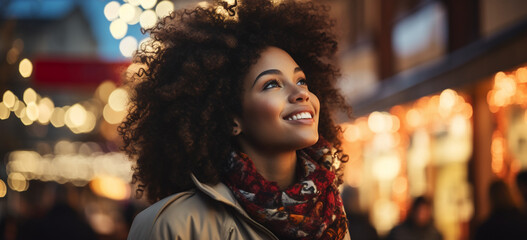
(108, 47)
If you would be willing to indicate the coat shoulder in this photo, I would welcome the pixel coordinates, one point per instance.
(185, 215)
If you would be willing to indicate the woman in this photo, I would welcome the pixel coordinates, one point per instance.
(230, 125)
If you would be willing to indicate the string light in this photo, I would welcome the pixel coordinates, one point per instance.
(9, 99)
(111, 10)
(4, 112)
(128, 46)
(79, 118)
(164, 8)
(148, 4)
(25, 68)
(118, 99)
(148, 19)
(67, 164)
(118, 28)
(3, 189)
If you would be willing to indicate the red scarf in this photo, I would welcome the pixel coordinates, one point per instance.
(309, 209)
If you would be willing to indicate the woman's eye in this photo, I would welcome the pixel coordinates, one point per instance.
(271, 84)
(301, 81)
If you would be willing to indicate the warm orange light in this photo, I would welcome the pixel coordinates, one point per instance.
(466, 110)
(379, 122)
(400, 185)
(521, 75)
(352, 133)
(497, 152)
(110, 187)
(3, 189)
(447, 99)
(413, 117)
(396, 124)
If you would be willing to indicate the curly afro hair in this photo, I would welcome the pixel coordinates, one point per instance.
(189, 88)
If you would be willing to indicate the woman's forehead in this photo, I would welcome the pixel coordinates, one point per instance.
(273, 58)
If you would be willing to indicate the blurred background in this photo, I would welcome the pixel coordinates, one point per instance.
(438, 90)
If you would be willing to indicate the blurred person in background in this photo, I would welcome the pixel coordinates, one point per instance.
(419, 224)
(358, 223)
(506, 221)
(521, 183)
(58, 221)
(231, 124)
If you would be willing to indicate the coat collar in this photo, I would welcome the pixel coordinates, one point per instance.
(219, 192)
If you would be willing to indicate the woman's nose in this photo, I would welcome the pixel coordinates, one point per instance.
(299, 94)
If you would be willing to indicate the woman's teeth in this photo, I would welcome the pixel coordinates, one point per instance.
(302, 115)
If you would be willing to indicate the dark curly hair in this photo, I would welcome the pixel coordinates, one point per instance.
(189, 89)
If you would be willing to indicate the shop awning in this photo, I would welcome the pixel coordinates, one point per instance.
(478, 60)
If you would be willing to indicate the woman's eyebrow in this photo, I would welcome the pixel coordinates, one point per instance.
(270, 71)
(298, 69)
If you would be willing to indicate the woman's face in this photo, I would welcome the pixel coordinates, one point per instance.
(279, 111)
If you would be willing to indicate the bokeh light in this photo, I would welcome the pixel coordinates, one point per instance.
(30, 96)
(380, 122)
(17, 182)
(24, 118)
(118, 100)
(164, 8)
(89, 123)
(75, 116)
(203, 4)
(4, 112)
(57, 117)
(129, 13)
(110, 187)
(32, 111)
(128, 46)
(352, 133)
(111, 10)
(73, 162)
(25, 68)
(148, 4)
(447, 99)
(3, 188)
(104, 90)
(521, 74)
(126, 12)
(118, 28)
(148, 19)
(134, 2)
(111, 116)
(137, 13)
(45, 109)
(386, 167)
(9, 99)
(19, 108)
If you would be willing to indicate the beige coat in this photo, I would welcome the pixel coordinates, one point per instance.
(207, 212)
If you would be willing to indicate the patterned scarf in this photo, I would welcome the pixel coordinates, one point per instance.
(309, 209)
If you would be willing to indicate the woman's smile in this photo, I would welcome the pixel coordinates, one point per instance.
(300, 117)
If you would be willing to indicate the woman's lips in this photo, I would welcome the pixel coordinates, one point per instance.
(307, 121)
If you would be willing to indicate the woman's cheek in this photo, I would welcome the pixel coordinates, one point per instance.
(265, 108)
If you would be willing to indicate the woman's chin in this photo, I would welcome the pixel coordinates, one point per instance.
(307, 142)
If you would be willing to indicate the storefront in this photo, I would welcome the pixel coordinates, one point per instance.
(444, 131)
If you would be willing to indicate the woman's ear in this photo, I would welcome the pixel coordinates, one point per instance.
(236, 127)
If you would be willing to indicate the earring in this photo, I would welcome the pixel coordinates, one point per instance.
(235, 132)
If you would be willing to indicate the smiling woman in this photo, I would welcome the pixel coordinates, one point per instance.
(231, 125)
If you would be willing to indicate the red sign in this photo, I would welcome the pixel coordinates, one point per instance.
(67, 72)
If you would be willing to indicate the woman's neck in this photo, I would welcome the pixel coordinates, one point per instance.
(276, 167)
